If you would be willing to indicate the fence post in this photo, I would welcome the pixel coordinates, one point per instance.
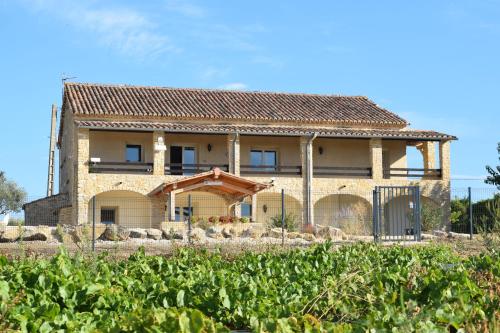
(375, 215)
(417, 213)
(93, 223)
(471, 227)
(282, 217)
(189, 218)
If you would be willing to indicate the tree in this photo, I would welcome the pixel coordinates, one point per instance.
(11, 195)
(494, 177)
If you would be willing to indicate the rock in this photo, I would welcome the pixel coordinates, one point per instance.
(214, 232)
(293, 235)
(197, 235)
(138, 233)
(115, 232)
(277, 233)
(428, 236)
(173, 234)
(458, 235)
(35, 234)
(440, 233)
(308, 237)
(155, 234)
(83, 232)
(229, 232)
(10, 234)
(252, 233)
(330, 233)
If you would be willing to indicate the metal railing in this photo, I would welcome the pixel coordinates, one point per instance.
(271, 170)
(121, 167)
(412, 172)
(187, 169)
(343, 171)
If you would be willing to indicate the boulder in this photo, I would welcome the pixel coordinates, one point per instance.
(308, 237)
(214, 232)
(173, 234)
(330, 233)
(197, 235)
(293, 235)
(458, 235)
(35, 234)
(277, 233)
(252, 233)
(138, 233)
(155, 234)
(10, 234)
(83, 232)
(440, 233)
(115, 232)
(229, 232)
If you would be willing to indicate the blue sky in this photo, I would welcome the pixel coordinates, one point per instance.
(436, 63)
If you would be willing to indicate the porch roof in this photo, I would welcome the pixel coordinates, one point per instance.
(214, 180)
(247, 129)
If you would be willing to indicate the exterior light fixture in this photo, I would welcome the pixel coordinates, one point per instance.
(209, 147)
(264, 208)
(320, 149)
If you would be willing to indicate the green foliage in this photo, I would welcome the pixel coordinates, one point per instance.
(12, 196)
(494, 177)
(357, 288)
(490, 226)
(430, 216)
(291, 222)
(459, 211)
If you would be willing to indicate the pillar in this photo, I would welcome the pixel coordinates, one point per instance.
(81, 173)
(306, 156)
(233, 150)
(376, 159)
(158, 153)
(427, 149)
(254, 208)
(171, 206)
(444, 159)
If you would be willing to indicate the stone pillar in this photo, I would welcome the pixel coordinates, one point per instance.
(444, 159)
(233, 151)
(171, 206)
(237, 210)
(158, 153)
(428, 152)
(376, 159)
(81, 167)
(254, 208)
(306, 156)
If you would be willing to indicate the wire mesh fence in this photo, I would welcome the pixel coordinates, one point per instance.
(273, 216)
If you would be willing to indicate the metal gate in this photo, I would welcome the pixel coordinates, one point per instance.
(396, 213)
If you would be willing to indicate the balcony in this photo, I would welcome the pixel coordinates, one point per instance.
(121, 167)
(343, 171)
(412, 173)
(271, 170)
(191, 169)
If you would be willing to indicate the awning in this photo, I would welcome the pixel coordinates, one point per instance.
(265, 129)
(215, 180)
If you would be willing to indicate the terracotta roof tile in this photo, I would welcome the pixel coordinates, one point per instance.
(176, 103)
(179, 127)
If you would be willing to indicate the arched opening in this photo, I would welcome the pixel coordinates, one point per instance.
(269, 209)
(203, 205)
(399, 219)
(351, 213)
(125, 208)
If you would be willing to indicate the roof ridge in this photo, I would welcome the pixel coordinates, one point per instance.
(118, 85)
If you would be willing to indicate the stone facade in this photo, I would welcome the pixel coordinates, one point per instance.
(46, 211)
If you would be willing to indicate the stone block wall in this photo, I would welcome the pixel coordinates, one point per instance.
(46, 211)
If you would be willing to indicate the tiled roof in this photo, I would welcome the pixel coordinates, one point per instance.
(175, 103)
(179, 127)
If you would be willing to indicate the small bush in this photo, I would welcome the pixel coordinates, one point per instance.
(213, 219)
(291, 222)
(244, 219)
(226, 219)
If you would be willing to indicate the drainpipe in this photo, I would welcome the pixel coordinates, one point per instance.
(309, 174)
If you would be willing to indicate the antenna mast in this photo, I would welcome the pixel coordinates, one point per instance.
(50, 177)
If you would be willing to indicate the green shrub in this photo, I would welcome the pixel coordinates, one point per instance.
(291, 222)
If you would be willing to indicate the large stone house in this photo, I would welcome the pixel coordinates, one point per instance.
(141, 151)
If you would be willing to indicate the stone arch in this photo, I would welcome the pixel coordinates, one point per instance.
(349, 212)
(131, 209)
(269, 206)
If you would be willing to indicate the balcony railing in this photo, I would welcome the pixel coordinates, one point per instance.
(270, 170)
(191, 169)
(343, 171)
(412, 173)
(121, 167)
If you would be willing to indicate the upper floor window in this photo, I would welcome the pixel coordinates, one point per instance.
(133, 153)
(263, 158)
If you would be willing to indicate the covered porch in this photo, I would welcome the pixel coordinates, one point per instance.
(219, 193)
